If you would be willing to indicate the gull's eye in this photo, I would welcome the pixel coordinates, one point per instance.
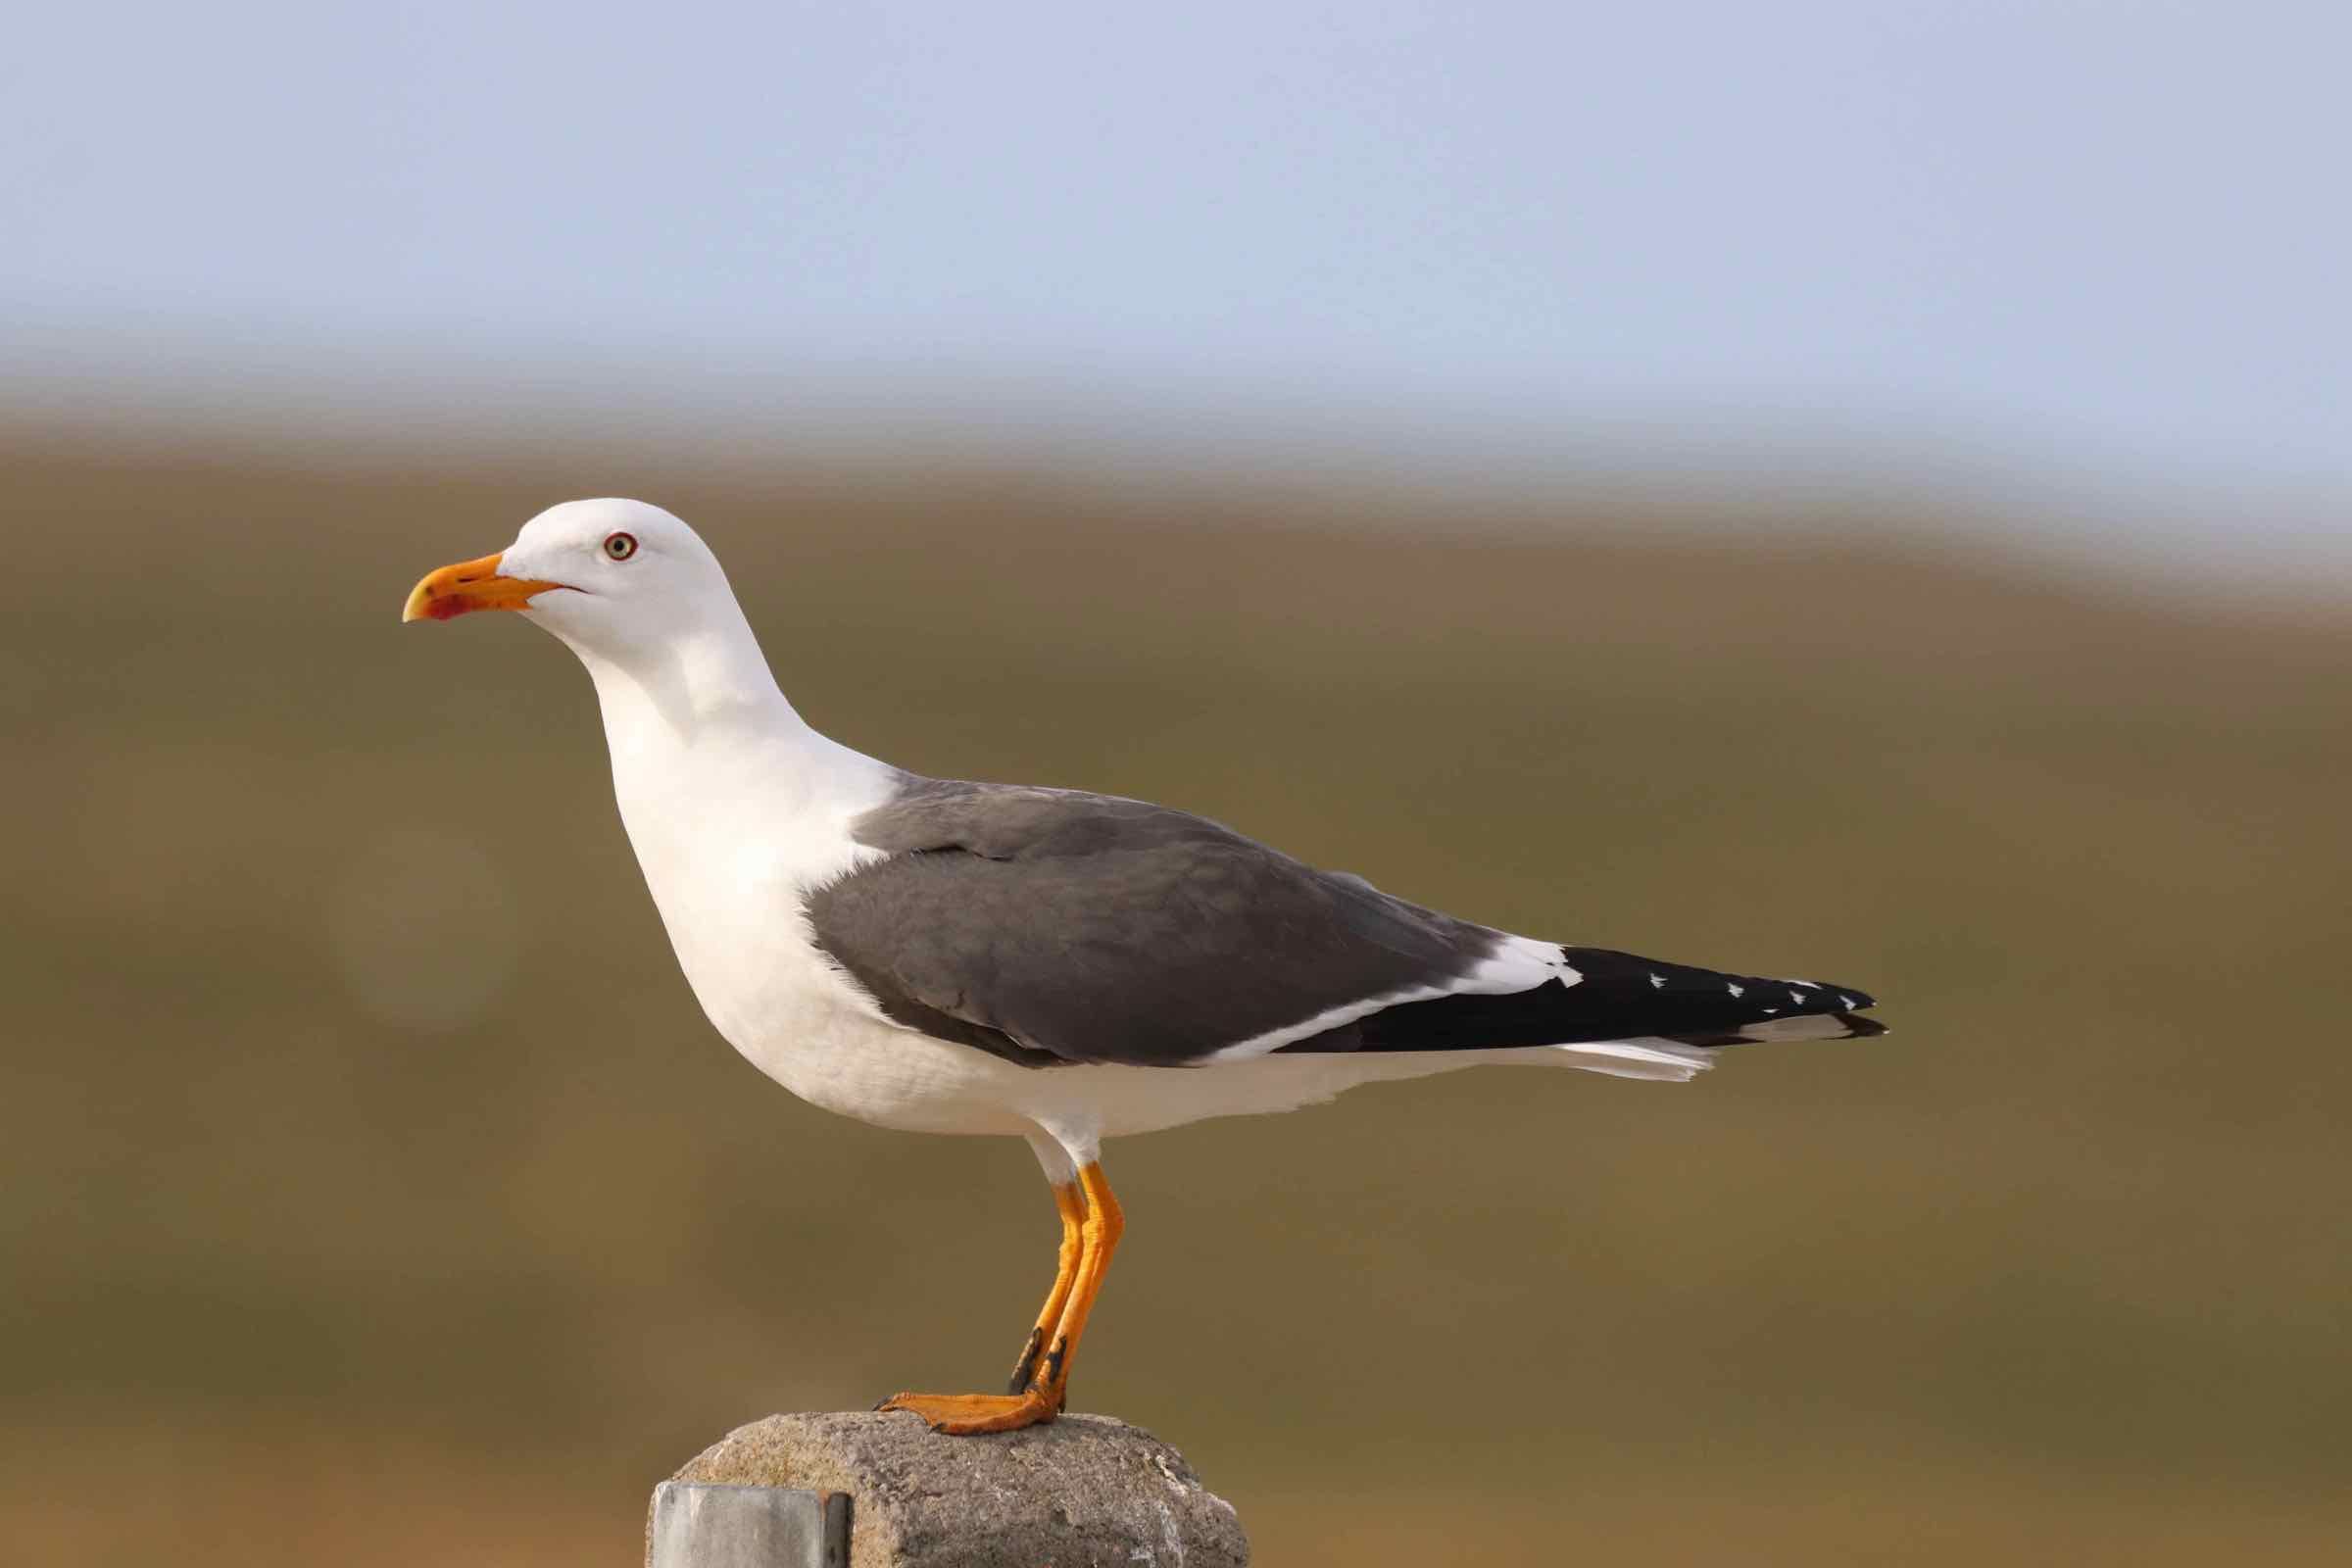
(620, 546)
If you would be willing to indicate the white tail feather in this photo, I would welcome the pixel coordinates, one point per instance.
(1658, 1060)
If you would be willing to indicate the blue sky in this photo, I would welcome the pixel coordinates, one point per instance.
(2108, 239)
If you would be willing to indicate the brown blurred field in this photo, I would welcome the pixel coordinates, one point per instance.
(354, 1214)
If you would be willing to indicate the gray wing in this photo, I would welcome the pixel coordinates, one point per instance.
(1056, 926)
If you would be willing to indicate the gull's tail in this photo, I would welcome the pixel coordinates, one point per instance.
(1618, 1012)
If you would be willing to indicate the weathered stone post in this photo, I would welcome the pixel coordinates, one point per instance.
(864, 1490)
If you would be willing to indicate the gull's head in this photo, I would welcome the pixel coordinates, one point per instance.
(610, 577)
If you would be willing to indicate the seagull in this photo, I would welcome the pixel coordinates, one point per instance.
(1060, 967)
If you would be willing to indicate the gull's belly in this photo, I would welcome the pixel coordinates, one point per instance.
(811, 1031)
(892, 1077)
(747, 957)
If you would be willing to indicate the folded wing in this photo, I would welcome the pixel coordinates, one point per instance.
(1053, 926)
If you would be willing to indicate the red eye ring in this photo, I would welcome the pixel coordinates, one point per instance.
(620, 546)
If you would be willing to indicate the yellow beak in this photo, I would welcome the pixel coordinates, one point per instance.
(469, 585)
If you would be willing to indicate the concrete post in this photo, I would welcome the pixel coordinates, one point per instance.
(864, 1490)
(701, 1526)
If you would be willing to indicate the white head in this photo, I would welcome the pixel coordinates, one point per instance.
(619, 580)
(635, 593)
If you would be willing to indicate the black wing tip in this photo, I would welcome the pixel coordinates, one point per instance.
(1846, 1003)
(1850, 1003)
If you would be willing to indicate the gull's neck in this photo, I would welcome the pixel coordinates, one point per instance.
(698, 724)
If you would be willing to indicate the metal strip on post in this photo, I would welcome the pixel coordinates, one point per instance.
(703, 1525)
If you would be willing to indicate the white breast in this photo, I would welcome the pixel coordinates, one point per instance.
(732, 834)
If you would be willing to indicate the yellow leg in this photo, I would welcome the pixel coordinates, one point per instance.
(1098, 1237)
(1092, 1225)
(1070, 1202)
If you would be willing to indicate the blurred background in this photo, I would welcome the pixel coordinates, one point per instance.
(1835, 488)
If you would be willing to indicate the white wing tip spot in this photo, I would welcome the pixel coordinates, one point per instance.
(1735, 990)
(1658, 982)
(1850, 1003)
